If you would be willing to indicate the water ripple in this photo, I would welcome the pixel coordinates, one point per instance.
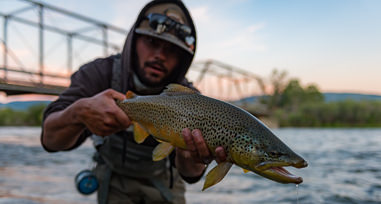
(344, 167)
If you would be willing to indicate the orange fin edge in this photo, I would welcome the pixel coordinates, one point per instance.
(130, 94)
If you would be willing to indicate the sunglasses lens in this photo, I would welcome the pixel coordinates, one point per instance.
(157, 22)
(186, 29)
(160, 19)
(162, 23)
(189, 40)
(154, 20)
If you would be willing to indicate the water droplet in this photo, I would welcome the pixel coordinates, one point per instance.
(297, 193)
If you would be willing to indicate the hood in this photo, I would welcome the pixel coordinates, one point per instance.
(128, 53)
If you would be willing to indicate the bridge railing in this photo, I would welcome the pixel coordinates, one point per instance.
(29, 21)
(30, 67)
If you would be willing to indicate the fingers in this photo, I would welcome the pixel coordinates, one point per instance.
(187, 135)
(120, 118)
(116, 95)
(201, 146)
(220, 154)
(102, 115)
(197, 146)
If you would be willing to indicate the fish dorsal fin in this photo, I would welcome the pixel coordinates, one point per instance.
(174, 89)
(130, 94)
(161, 151)
(140, 134)
(217, 174)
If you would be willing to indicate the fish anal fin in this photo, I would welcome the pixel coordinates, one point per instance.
(161, 151)
(217, 174)
(130, 94)
(140, 134)
(173, 89)
(245, 170)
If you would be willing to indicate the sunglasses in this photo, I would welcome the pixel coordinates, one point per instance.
(162, 23)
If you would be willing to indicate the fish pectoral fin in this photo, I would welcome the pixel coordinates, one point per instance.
(140, 134)
(161, 151)
(217, 174)
(245, 170)
(175, 89)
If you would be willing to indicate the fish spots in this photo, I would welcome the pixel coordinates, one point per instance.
(221, 124)
(245, 139)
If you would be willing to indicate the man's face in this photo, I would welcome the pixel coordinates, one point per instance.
(156, 60)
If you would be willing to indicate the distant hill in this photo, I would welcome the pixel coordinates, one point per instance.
(329, 97)
(22, 105)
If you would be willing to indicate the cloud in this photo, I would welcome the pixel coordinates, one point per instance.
(200, 14)
(126, 12)
(246, 39)
(222, 36)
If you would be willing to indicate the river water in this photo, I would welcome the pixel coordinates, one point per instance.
(344, 167)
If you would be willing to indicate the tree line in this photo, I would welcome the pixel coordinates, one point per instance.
(291, 104)
(30, 117)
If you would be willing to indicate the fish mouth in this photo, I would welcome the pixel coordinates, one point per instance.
(281, 175)
(278, 173)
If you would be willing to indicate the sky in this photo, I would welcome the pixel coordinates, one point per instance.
(334, 44)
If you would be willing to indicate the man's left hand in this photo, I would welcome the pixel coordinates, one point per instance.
(192, 162)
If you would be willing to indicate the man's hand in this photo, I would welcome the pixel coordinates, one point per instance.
(192, 162)
(101, 115)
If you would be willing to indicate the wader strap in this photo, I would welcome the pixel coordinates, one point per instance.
(116, 74)
(104, 187)
(116, 85)
(164, 190)
(170, 176)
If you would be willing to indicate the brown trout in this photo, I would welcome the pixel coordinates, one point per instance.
(248, 143)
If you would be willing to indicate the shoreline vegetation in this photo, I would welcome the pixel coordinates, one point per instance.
(293, 105)
(29, 117)
(289, 104)
(300, 111)
(334, 114)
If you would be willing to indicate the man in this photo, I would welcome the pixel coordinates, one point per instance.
(158, 50)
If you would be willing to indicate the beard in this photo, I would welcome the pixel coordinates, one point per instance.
(152, 79)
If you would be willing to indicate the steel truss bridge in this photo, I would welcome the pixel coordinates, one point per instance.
(39, 53)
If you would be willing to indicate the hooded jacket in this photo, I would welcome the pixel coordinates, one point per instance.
(128, 54)
(96, 76)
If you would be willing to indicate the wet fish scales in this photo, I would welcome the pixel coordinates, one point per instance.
(247, 141)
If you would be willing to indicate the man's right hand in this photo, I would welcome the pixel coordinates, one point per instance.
(101, 115)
